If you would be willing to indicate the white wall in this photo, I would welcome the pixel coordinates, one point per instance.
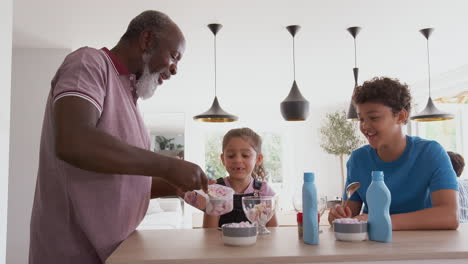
(32, 71)
(6, 11)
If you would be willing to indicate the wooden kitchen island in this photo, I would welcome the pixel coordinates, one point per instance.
(283, 246)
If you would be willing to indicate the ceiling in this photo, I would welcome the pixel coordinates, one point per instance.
(254, 48)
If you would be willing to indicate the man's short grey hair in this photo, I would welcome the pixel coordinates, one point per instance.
(148, 20)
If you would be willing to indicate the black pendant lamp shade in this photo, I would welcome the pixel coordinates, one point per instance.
(215, 114)
(430, 113)
(352, 114)
(294, 107)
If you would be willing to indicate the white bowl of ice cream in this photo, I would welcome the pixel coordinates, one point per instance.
(220, 200)
(239, 234)
(350, 229)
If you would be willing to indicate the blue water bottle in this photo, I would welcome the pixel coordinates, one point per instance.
(378, 202)
(309, 208)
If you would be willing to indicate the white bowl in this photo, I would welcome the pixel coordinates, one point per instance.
(239, 236)
(219, 206)
(350, 231)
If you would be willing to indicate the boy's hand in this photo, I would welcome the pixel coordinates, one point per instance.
(362, 217)
(339, 212)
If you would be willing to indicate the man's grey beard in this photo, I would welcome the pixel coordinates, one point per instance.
(148, 82)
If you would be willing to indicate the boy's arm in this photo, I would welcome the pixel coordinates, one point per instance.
(442, 215)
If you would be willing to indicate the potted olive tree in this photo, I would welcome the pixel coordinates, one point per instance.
(339, 137)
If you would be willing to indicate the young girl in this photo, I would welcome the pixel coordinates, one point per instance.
(417, 172)
(242, 157)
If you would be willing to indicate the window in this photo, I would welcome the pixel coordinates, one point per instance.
(444, 132)
(451, 134)
(213, 166)
(271, 148)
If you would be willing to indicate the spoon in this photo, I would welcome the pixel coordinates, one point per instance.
(352, 187)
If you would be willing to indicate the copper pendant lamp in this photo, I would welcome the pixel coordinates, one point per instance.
(215, 114)
(430, 113)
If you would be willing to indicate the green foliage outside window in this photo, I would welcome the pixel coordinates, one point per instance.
(213, 148)
(272, 156)
(271, 152)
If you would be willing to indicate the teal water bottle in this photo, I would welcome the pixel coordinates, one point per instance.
(309, 207)
(378, 202)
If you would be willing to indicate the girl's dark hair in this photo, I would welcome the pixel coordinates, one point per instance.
(384, 90)
(458, 162)
(254, 140)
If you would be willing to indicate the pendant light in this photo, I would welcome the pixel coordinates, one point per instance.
(295, 107)
(215, 114)
(430, 113)
(352, 114)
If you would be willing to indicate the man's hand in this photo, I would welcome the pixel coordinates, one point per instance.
(160, 187)
(196, 200)
(339, 212)
(186, 176)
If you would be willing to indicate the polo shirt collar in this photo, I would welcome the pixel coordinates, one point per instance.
(119, 66)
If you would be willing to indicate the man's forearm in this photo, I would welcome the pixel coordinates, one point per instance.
(160, 188)
(441, 217)
(94, 150)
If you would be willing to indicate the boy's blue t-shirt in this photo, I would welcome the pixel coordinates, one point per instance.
(424, 167)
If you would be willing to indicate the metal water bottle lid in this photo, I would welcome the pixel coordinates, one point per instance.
(377, 175)
(309, 177)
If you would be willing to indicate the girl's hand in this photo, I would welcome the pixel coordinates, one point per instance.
(339, 212)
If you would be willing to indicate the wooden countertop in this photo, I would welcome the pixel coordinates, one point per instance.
(283, 246)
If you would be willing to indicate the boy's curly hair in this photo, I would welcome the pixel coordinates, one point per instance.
(384, 90)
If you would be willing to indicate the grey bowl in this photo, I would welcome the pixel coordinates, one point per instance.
(350, 232)
(239, 236)
(350, 228)
(239, 231)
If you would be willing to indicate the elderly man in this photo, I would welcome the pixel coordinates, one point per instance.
(92, 186)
